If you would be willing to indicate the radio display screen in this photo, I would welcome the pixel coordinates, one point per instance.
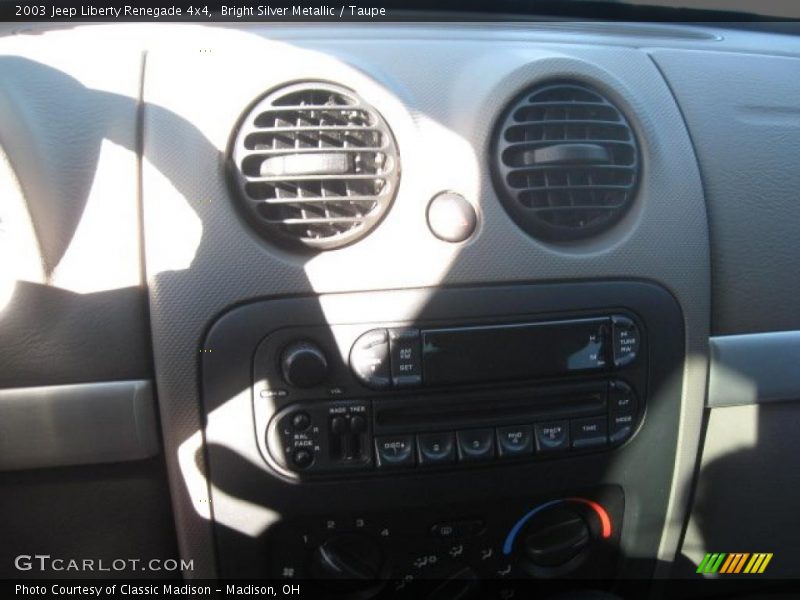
(516, 351)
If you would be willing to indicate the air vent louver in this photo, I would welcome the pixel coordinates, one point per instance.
(314, 166)
(566, 162)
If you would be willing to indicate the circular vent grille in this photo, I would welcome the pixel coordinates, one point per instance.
(315, 166)
(566, 163)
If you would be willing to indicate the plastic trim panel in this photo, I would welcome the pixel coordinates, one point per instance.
(81, 424)
(754, 368)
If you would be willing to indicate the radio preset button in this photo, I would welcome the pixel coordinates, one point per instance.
(515, 441)
(626, 340)
(436, 448)
(589, 433)
(406, 354)
(369, 359)
(395, 450)
(475, 444)
(552, 437)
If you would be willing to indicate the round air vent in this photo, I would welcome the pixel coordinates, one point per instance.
(314, 166)
(566, 162)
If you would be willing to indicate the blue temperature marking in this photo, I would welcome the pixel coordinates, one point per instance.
(509, 543)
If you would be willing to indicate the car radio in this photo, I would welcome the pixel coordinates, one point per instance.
(469, 425)
(383, 398)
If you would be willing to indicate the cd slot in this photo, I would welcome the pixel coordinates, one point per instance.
(495, 406)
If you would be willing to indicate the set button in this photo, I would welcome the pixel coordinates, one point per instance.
(406, 357)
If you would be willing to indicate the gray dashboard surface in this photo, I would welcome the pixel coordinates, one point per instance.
(441, 87)
(743, 114)
(78, 338)
(73, 310)
(68, 135)
(201, 259)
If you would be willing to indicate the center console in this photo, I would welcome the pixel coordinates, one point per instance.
(502, 432)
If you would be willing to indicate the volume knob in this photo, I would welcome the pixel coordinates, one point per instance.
(304, 364)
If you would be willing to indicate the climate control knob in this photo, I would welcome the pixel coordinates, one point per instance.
(348, 562)
(555, 537)
(304, 364)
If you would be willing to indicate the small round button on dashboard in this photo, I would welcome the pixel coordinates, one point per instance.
(451, 217)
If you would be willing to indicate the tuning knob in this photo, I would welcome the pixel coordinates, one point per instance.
(304, 364)
(349, 561)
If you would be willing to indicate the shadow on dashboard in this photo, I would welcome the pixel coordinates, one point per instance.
(237, 474)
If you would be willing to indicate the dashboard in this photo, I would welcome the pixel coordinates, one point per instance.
(442, 302)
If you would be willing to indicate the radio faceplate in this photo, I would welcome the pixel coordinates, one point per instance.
(371, 399)
(256, 346)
